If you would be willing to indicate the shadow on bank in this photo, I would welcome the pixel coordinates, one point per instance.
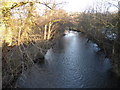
(18, 58)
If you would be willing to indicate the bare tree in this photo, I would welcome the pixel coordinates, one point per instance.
(27, 34)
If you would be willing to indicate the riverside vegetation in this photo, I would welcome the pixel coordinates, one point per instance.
(27, 35)
(29, 31)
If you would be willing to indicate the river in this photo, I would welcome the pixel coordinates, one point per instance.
(72, 63)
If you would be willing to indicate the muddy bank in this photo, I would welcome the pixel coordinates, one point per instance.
(15, 59)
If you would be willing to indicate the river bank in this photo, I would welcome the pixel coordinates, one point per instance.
(108, 47)
(16, 59)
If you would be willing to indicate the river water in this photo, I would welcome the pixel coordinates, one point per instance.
(72, 63)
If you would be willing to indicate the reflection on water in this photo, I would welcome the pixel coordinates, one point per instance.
(72, 63)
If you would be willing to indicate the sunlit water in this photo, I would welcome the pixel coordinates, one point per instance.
(72, 63)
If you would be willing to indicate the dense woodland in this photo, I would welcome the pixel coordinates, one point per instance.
(28, 32)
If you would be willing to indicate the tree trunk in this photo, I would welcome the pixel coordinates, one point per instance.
(49, 31)
(45, 32)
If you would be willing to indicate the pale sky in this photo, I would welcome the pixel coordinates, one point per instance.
(77, 5)
(81, 5)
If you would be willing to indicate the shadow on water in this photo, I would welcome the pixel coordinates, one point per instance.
(72, 63)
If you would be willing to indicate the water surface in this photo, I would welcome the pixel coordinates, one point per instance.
(72, 63)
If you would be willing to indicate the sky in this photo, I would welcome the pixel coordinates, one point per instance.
(82, 5)
(77, 5)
